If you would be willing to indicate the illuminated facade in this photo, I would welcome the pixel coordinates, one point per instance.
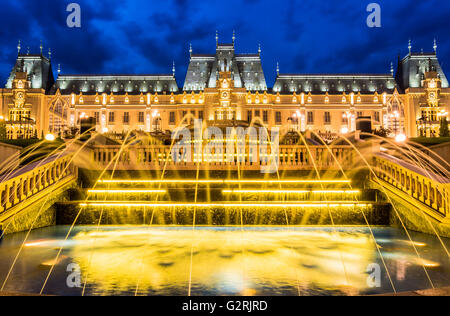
(227, 87)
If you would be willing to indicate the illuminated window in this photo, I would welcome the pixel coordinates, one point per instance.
(310, 117)
(172, 118)
(126, 117)
(278, 118)
(327, 118)
(377, 117)
(141, 117)
(344, 118)
(111, 117)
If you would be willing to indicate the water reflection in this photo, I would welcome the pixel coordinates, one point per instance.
(225, 261)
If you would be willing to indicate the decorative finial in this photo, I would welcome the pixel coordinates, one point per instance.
(278, 68)
(190, 49)
(409, 46)
(259, 49)
(41, 47)
(173, 68)
(217, 38)
(59, 69)
(234, 37)
(392, 68)
(435, 46)
(49, 53)
(19, 46)
(28, 50)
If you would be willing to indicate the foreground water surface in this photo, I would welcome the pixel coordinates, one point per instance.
(223, 261)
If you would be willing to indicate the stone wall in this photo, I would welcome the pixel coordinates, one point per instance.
(416, 220)
(40, 214)
(68, 212)
(413, 215)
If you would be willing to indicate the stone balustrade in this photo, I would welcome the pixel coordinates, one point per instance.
(30, 181)
(426, 188)
(155, 157)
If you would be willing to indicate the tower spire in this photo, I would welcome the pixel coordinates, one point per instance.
(234, 37)
(392, 68)
(278, 68)
(59, 69)
(18, 48)
(49, 53)
(409, 46)
(190, 49)
(173, 68)
(435, 46)
(259, 49)
(41, 47)
(217, 38)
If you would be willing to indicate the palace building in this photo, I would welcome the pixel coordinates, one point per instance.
(226, 87)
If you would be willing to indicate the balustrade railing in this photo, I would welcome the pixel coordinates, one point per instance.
(155, 157)
(424, 187)
(31, 180)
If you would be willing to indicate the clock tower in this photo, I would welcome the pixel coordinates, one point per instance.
(225, 110)
(429, 122)
(20, 125)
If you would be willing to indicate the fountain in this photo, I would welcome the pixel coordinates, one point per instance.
(136, 220)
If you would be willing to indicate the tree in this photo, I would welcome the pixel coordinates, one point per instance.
(383, 132)
(443, 131)
(2, 129)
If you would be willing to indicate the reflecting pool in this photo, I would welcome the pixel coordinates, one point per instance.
(223, 261)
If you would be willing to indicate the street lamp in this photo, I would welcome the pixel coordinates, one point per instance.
(50, 137)
(400, 138)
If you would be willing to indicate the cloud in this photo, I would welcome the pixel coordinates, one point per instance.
(141, 36)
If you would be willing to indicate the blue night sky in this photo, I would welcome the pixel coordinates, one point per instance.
(145, 36)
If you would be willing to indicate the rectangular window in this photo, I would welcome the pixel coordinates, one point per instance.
(141, 117)
(278, 120)
(360, 114)
(310, 118)
(266, 116)
(344, 118)
(126, 117)
(200, 115)
(111, 117)
(257, 114)
(377, 117)
(192, 117)
(172, 118)
(97, 117)
(249, 116)
(327, 118)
